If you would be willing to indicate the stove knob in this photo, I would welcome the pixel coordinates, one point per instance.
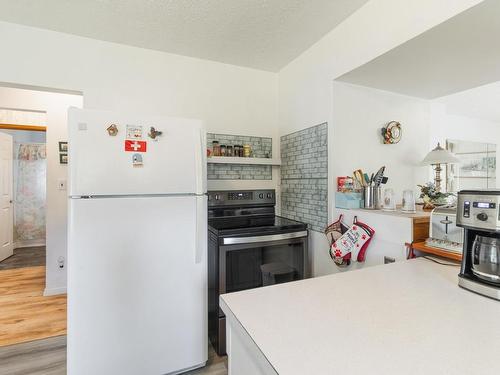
(482, 216)
(261, 196)
(217, 197)
(269, 195)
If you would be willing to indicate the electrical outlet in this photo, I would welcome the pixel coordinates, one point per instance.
(388, 260)
(61, 184)
(60, 262)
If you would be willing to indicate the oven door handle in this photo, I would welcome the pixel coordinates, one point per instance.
(268, 238)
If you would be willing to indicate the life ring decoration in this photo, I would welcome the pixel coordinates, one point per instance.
(392, 133)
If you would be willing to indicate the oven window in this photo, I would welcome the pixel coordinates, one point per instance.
(253, 267)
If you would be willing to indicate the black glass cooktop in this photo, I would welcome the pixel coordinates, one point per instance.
(254, 225)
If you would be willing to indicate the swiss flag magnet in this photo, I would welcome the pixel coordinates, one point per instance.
(135, 146)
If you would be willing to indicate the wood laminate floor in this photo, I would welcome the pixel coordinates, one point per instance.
(25, 314)
(48, 357)
(25, 257)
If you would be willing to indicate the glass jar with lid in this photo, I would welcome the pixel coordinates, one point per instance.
(215, 148)
(247, 151)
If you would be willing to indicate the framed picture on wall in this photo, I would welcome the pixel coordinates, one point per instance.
(63, 158)
(477, 168)
(63, 146)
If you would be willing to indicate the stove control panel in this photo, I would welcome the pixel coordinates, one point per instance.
(241, 198)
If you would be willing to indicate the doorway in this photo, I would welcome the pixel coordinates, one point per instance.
(24, 180)
(33, 125)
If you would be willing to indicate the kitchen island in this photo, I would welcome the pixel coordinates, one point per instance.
(402, 318)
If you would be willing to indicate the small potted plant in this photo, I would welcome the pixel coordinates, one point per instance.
(432, 197)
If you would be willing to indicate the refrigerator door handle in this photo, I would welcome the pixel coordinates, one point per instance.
(201, 229)
(201, 162)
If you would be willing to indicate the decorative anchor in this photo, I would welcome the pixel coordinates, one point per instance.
(153, 133)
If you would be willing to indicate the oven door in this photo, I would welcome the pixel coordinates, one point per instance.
(251, 262)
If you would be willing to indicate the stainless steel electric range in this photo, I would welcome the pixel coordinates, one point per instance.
(249, 247)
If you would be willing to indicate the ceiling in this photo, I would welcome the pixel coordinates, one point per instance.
(480, 102)
(459, 54)
(262, 34)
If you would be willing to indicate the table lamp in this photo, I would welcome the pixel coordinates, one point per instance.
(437, 157)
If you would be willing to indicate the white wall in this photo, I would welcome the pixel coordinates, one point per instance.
(55, 106)
(22, 117)
(359, 113)
(229, 99)
(445, 125)
(305, 85)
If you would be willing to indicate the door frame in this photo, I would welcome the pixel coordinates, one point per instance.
(37, 128)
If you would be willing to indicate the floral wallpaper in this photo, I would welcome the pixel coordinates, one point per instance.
(30, 192)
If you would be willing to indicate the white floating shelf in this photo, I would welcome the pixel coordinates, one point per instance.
(242, 160)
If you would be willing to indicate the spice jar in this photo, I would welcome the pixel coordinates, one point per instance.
(229, 151)
(215, 148)
(236, 150)
(247, 151)
(222, 150)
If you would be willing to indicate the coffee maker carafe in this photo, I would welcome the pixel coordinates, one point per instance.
(478, 212)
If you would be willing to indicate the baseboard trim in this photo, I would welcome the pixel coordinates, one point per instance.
(54, 291)
(28, 243)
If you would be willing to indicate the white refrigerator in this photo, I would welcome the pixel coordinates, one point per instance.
(137, 231)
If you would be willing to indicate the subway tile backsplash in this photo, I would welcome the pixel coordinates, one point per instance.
(261, 148)
(238, 172)
(304, 176)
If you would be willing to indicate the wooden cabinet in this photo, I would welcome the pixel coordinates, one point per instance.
(420, 228)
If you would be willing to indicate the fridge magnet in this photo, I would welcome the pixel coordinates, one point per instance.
(392, 133)
(112, 130)
(63, 158)
(63, 146)
(136, 146)
(134, 132)
(137, 160)
(153, 133)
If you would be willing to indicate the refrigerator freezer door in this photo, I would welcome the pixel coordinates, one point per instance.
(128, 161)
(137, 286)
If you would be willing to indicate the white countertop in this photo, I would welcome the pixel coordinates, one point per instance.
(401, 318)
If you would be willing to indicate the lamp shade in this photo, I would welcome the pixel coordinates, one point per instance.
(440, 156)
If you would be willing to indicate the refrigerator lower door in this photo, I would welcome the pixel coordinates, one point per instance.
(137, 285)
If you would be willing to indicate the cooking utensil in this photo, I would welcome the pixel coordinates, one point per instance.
(365, 175)
(358, 175)
(378, 176)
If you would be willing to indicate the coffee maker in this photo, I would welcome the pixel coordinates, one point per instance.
(478, 213)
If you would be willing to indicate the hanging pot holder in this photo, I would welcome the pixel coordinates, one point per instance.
(370, 232)
(352, 244)
(333, 232)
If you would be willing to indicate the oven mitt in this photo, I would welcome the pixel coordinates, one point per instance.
(335, 230)
(370, 232)
(352, 244)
